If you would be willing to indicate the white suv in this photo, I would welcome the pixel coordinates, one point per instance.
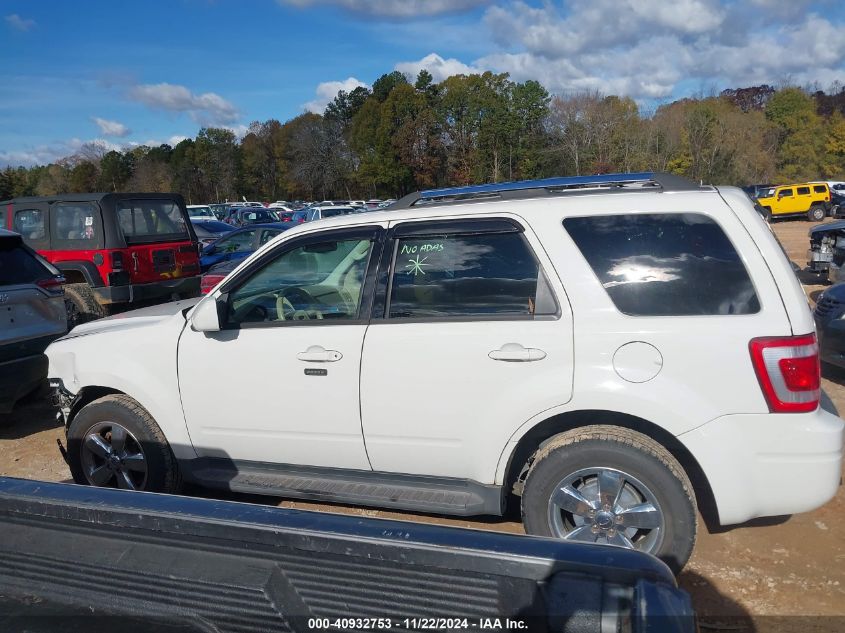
(606, 352)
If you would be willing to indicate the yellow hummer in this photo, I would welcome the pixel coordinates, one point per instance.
(810, 198)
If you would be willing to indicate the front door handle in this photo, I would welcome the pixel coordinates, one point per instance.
(516, 353)
(318, 354)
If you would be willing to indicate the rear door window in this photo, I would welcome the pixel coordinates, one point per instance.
(678, 264)
(803, 191)
(468, 276)
(241, 241)
(76, 225)
(151, 221)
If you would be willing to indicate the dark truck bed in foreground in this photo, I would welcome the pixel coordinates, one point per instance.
(75, 558)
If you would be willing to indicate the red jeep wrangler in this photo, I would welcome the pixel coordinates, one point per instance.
(114, 249)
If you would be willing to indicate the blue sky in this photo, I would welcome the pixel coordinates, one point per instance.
(124, 73)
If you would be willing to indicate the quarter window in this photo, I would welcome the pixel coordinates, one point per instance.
(481, 275)
(665, 264)
(315, 282)
(819, 188)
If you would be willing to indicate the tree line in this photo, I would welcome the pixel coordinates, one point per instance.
(399, 137)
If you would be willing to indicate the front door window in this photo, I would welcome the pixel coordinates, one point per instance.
(318, 281)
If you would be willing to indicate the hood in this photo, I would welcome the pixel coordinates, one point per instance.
(144, 317)
(824, 228)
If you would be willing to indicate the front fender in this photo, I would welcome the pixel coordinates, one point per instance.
(140, 363)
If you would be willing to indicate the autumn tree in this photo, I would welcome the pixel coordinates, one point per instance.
(801, 135)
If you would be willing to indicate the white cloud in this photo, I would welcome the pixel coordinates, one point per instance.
(646, 48)
(206, 109)
(51, 152)
(328, 90)
(239, 130)
(111, 128)
(439, 68)
(19, 23)
(395, 8)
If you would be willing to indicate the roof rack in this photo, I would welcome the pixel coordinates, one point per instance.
(548, 186)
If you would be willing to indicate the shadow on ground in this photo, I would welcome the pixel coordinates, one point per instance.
(715, 611)
(31, 415)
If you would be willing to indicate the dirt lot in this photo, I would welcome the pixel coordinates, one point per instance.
(768, 570)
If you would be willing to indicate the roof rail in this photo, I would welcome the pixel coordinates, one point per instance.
(547, 186)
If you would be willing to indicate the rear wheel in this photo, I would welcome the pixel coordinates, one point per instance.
(114, 442)
(81, 305)
(817, 213)
(611, 486)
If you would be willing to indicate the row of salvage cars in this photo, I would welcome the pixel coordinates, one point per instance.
(826, 257)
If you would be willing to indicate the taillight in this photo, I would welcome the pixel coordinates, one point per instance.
(117, 260)
(788, 370)
(208, 282)
(53, 285)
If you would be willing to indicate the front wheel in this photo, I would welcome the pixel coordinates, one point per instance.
(113, 442)
(611, 486)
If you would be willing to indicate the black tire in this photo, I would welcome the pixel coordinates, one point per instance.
(81, 305)
(621, 451)
(98, 417)
(817, 213)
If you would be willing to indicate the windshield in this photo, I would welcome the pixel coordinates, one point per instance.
(200, 212)
(151, 221)
(330, 213)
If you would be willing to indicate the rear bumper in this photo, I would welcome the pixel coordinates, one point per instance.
(185, 287)
(20, 376)
(831, 337)
(769, 464)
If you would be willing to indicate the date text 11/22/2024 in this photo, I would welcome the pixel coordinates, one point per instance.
(418, 624)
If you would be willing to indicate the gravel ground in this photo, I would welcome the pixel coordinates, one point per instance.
(753, 577)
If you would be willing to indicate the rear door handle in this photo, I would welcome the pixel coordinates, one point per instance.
(516, 353)
(318, 354)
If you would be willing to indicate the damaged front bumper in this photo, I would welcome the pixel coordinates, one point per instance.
(62, 399)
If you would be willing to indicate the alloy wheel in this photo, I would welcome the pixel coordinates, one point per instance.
(608, 506)
(113, 457)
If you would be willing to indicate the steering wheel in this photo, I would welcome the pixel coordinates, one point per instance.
(286, 311)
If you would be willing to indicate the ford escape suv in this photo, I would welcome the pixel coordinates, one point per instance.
(604, 353)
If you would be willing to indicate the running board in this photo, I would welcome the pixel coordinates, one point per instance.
(457, 497)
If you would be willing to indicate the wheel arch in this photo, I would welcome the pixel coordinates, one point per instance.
(78, 271)
(86, 396)
(540, 433)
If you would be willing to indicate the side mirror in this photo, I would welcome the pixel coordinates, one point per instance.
(205, 317)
